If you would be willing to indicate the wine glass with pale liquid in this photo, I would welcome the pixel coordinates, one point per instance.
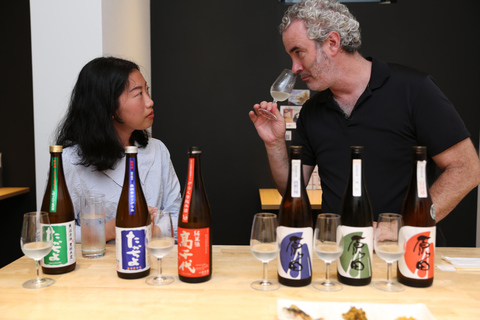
(389, 245)
(328, 245)
(36, 242)
(280, 91)
(159, 244)
(264, 246)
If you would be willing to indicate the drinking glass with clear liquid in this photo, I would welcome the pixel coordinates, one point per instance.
(264, 246)
(389, 246)
(159, 244)
(280, 90)
(92, 222)
(36, 242)
(328, 246)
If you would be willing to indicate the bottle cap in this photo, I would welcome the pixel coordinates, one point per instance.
(131, 149)
(195, 150)
(56, 149)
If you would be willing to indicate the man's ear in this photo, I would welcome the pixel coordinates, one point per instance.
(332, 44)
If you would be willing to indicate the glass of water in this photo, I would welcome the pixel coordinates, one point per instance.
(92, 216)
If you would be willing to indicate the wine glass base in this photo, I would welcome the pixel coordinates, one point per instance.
(159, 280)
(38, 283)
(330, 286)
(262, 285)
(388, 286)
(267, 114)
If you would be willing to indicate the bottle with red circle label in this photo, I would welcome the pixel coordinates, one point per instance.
(416, 267)
(194, 226)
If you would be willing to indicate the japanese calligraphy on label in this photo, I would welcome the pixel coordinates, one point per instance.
(194, 252)
(188, 190)
(54, 185)
(131, 249)
(357, 177)
(131, 187)
(296, 178)
(422, 179)
(295, 256)
(63, 250)
(356, 259)
(419, 257)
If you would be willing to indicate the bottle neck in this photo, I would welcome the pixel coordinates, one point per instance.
(295, 184)
(357, 176)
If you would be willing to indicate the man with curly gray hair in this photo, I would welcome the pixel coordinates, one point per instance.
(387, 108)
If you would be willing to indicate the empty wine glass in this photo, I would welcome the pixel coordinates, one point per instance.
(328, 244)
(36, 242)
(159, 244)
(264, 246)
(389, 246)
(280, 91)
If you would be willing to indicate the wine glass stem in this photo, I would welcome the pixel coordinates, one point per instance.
(389, 273)
(327, 272)
(274, 101)
(159, 267)
(265, 272)
(38, 271)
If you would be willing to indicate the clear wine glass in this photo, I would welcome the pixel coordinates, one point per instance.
(159, 244)
(280, 91)
(328, 244)
(36, 242)
(264, 246)
(389, 245)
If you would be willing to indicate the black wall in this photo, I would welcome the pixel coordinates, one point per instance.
(16, 124)
(211, 61)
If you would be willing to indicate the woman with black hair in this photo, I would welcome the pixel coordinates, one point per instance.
(111, 108)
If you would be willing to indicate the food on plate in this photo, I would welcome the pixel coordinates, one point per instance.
(295, 313)
(405, 318)
(354, 314)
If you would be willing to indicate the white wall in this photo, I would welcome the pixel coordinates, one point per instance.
(65, 36)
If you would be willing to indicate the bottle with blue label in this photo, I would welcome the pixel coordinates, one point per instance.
(295, 228)
(354, 267)
(132, 224)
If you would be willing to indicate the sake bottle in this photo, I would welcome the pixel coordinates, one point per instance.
(416, 267)
(295, 227)
(355, 264)
(58, 204)
(194, 225)
(132, 224)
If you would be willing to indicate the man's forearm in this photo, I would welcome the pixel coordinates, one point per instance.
(278, 161)
(458, 178)
(448, 190)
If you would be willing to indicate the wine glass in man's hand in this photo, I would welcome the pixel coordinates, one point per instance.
(280, 91)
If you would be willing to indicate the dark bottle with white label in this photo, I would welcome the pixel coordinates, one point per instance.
(132, 224)
(354, 266)
(416, 267)
(194, 225)
(58, 204)
(295, 228)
